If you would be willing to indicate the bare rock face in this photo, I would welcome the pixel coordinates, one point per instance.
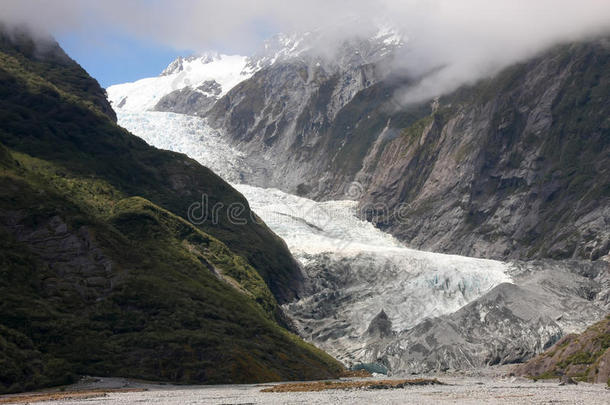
(72, 256)
(514, 167)
(512, 171)
(287, 114)
(191, 101)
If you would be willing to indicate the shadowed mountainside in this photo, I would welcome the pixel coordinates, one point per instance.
(101, 274)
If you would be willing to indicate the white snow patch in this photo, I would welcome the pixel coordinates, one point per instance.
(144, 94)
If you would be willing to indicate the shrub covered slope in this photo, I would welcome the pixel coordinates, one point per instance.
(100, 272)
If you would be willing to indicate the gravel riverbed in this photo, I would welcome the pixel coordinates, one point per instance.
(459, 390)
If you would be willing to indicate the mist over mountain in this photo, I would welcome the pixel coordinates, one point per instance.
(465, 40)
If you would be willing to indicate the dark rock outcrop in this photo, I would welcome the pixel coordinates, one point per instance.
(380, 327)
(190, 101)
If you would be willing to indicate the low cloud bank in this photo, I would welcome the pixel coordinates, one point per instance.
(461, 40)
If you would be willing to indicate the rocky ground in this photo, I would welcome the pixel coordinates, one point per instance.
(482, 386)
(585, 356)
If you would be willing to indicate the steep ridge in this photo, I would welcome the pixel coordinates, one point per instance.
(101, 274)
(90, 144)
(46, 58)
(290, 112)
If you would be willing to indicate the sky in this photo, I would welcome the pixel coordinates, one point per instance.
(122, 40)
(116, 57)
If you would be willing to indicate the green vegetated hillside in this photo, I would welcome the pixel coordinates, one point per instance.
(100, 272)
(584, 356)
(56, 118)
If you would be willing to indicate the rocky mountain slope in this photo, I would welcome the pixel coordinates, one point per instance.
(294, 113)
(101, 273)
(585, 356)
(512, 167)
(368, 299)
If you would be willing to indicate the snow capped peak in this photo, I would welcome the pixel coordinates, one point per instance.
(210, 70)
(179, 64)
(280, 47)
(213, 74)
(390, 36)
(174, 67)
(331, 48)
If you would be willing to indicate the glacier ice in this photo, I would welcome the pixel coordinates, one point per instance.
(186, 134)
(353, 269)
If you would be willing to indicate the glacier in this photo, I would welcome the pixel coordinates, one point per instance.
(408, 284)
(355, 271)
(341, 255)
(368, 298)
(186, 134)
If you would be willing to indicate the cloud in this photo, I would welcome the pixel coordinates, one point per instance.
(471, 39)
(468, 38)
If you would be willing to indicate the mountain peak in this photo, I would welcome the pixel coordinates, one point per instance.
(179, 64)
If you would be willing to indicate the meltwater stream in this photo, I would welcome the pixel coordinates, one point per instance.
(353, 270)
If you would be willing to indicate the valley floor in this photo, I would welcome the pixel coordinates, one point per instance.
(471, 389)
